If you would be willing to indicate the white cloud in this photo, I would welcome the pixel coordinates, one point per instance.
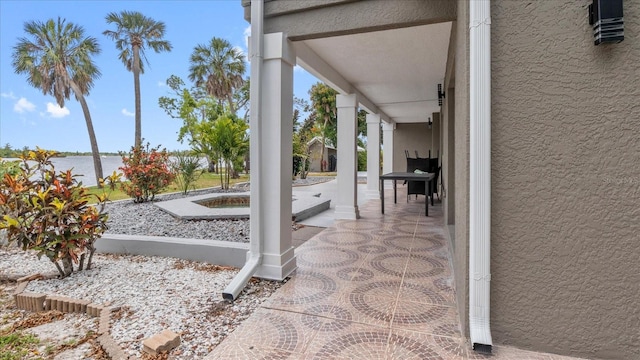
(242, 52)
(23, 105)
(126, 112)
(8, 95)
(56, 111)
(298, 68)
(161, 84)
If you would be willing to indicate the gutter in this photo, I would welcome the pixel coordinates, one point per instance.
(480, 175)
(254, 256)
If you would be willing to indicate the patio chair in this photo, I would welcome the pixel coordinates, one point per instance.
(416, 187)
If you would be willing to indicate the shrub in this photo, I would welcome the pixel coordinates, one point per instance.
(9, 167)
(185, 167)
(362, 160)
(48, 212)
(147, 170)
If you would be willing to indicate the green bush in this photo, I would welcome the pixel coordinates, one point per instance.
(147, 170)
(48, 212)
(186, 168)
(362, 160)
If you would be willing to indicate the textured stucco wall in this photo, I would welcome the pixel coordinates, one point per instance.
(448, 132)
(448, 158)
(565, 181)
(410, 137)
(461, 164)
(308, 19)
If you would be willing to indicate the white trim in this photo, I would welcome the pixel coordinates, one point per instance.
(480, 174)
(318, 139)
(373, 156)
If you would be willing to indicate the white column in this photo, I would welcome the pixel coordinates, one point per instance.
(373, 156)
(347, 201)
(387, 151)
(271, 219)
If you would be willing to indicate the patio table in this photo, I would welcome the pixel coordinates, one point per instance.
(409, 176)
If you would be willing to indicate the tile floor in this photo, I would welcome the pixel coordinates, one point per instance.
(380, 287)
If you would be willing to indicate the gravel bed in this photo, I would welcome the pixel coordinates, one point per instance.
(154, 294)
(129, 218)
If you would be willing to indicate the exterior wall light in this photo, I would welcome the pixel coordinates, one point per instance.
(440, 94)
(429, 123)
(606, 18)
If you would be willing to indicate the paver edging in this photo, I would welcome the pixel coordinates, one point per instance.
(37, 302)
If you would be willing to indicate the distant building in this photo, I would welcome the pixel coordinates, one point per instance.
(315, 151)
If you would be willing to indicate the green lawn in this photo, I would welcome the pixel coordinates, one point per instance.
(18, 346)
(206, 180)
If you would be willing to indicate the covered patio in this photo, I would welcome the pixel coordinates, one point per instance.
(438, 78)
(380, 287)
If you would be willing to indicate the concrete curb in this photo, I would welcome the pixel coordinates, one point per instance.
(223, 253)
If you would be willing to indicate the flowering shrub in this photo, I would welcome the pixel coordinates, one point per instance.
(48, 212)
(147, 170)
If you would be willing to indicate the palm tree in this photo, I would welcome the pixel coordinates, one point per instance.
(323, 99)
(57, 60)
(135, 32)
(218, 67)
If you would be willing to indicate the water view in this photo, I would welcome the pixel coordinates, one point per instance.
(83, 167)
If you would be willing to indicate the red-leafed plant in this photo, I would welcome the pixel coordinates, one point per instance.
(49, 212)
(147, 170)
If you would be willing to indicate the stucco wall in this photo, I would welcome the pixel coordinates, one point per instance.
(315, 150)
(565, 181)
(448, 132)
(410, 137)
(461, 164)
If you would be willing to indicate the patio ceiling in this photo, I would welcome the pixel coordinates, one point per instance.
(394, 72)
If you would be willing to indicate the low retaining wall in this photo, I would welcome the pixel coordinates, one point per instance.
(224, 253)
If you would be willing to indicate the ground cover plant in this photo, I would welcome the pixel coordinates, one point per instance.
(49, 212)
(186, 167)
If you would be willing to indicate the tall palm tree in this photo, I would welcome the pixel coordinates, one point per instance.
(323, 99)
(135, 32)
(57, 60)
(218, 67)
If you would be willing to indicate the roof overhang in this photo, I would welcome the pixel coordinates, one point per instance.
(394, 73)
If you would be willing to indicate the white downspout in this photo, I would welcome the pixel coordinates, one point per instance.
(480, 174)
(254, 260)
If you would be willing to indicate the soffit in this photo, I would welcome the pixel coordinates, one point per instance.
(398, 70)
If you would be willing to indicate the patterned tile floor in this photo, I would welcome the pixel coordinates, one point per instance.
(380, 287)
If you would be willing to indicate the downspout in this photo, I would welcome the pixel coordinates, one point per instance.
(254, 260)
(480, 174)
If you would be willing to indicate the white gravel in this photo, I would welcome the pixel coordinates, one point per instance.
(154, 294)
(129, 218)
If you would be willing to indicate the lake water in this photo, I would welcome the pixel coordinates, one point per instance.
(83, 167)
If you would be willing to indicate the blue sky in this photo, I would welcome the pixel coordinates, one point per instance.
(29, 118)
